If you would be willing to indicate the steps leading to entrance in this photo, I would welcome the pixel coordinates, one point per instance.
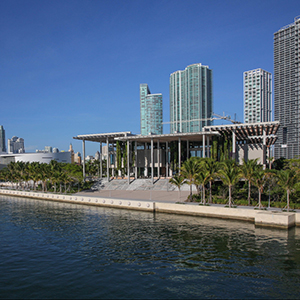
(138, 185)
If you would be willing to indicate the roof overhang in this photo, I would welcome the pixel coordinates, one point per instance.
(251, 133)
(102, 137)
(195, 136)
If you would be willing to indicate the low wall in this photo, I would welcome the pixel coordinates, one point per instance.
(108, 202)
(258, 217)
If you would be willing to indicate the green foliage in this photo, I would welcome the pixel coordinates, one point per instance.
(48, 175)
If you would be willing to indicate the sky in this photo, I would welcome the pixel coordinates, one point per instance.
(70, 67)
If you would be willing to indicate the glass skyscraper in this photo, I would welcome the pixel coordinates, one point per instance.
(257, 96)
(191, 99)
(287, 90)
(2, 139)
(151, 111)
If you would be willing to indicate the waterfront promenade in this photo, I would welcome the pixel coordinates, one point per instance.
(160, 196)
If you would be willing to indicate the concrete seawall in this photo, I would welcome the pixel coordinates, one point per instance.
(274, 218)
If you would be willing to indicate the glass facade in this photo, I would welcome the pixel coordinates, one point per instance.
(2, 139)
(151, 111)
(287, 90)
(191, 99)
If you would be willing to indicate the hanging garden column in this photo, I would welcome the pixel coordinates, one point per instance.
(187, 149)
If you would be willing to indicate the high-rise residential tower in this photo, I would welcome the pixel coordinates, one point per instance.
(191, 99)
(287, 89)
(15, 145)
(257, 96)
(151, 111)
(2, 139)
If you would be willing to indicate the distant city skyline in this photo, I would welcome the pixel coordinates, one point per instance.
(70, 68)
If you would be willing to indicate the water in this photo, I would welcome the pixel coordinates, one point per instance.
(57, 250)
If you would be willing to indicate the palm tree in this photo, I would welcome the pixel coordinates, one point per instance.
(178, 181)
(189, 171)
(248, 169)
(230, 175)
(34, 173)
(259, 180)
(211, 168)
(202, 179)
(287, 179)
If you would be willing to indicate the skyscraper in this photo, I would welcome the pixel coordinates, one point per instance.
(287, 89)
(191, 99)
(151, 111)
(2, 139)
(15, 145)
(257, 96)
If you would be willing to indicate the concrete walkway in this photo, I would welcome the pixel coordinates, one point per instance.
(160, 196)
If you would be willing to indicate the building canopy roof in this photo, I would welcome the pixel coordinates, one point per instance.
(102, 137)
(252, 133)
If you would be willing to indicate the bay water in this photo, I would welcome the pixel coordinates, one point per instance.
(58, 251)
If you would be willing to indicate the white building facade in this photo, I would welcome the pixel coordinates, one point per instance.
(64, 157)
(257, 96)
(15, 145)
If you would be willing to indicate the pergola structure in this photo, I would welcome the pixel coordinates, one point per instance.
(253, 133)
(256, 133)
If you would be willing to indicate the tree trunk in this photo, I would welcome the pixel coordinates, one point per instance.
(288, 199)
(229, 196)
(259, 198)
(249, 193)
(210, 193)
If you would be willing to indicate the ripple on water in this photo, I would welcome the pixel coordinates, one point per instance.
(57, 250)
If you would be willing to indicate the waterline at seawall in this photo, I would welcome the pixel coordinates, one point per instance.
(277, 219)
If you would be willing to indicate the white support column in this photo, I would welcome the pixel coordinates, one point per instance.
(203, 145)
(233, 145)
(101, 175)
(207, 146)
(146, 161)
(167, 159)
(158, 160)
(179, 153)
(107, 160)
(152, 162)
(135, 160)
(264, 148)
(128, 162)
(83, 159)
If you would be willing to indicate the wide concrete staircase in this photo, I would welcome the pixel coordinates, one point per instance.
(138, 185)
